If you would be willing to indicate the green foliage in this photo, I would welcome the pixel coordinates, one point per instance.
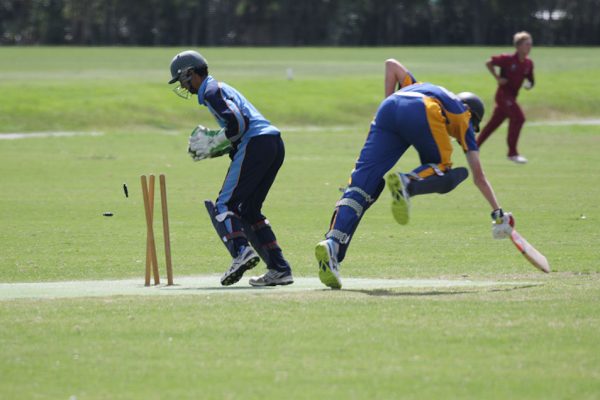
(293, 23)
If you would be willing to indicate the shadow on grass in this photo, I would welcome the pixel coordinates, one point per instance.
(396, 293)
(227, 288)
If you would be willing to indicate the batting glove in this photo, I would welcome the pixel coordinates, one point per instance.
(197, 156)
(221, 149)
(502, 224)
(205, 143)
(198, 143)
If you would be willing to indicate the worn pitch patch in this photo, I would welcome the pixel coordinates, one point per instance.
(203, 285)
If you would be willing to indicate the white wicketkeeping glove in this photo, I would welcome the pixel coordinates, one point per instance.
(204, 143)
(502, 224)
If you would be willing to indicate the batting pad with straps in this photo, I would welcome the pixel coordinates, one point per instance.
(252, 235)
(252, 232)
(343, 224)
(218, 221)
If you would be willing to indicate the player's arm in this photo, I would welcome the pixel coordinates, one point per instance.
(530, 78)
(205, 143)
(227, 111)
(502, 223)
(480, 179)
(394, 72)
(491, 66)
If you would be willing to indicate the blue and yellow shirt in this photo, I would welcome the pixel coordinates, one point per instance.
(409, 79)
(456, 116)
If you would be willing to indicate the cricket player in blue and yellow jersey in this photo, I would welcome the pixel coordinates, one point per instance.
(425, 116)
(256, 151)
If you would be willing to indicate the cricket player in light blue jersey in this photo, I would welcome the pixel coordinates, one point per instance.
(425, 116)
(256, 151)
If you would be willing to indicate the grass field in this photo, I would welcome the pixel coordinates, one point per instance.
(518, 342)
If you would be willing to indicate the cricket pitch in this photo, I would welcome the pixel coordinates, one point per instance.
(209, 284)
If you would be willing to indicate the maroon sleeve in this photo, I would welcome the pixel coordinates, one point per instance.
(499, 60)
(530, 75)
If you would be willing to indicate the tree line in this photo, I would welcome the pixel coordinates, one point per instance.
(297, 22)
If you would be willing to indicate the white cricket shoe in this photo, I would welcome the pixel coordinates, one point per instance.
(518, 159)
(246, 259)
(326, 253)
(273, 278)
(397, 183)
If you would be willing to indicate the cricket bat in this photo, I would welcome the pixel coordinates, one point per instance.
(531, 253)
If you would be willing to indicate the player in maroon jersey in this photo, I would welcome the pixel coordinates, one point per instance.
(514, 69)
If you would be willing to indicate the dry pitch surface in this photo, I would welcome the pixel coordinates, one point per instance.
(203, 285)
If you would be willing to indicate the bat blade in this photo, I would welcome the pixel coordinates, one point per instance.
(529, 252)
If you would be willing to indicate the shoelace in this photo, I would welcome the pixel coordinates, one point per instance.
(235, 266)
(270, 275)
(273, 275)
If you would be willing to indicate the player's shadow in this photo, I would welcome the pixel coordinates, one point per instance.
(229, 288)
(397, 293)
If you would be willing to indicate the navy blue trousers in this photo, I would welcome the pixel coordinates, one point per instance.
(253, 169)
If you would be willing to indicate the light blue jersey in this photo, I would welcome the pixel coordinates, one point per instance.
(233, 112)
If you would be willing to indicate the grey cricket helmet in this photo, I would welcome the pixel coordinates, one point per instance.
(186, 60)
(475, 106)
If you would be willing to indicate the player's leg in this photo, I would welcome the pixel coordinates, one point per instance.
(516, 119)
(279, 271)
(347, 200)
(397, 184)
(243, 177)
(381, 151)
(257, 226)
(431, 141)
(220, 227)
(346, 216)
(425, 128)
(441, 184)
(435, 175)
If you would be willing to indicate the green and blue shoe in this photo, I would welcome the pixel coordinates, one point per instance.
(396, 183)
(328, 265)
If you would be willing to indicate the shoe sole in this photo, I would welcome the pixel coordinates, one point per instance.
(400, 207)
(237, 275)
(280, 283)
(517, 161)
(326, 276)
